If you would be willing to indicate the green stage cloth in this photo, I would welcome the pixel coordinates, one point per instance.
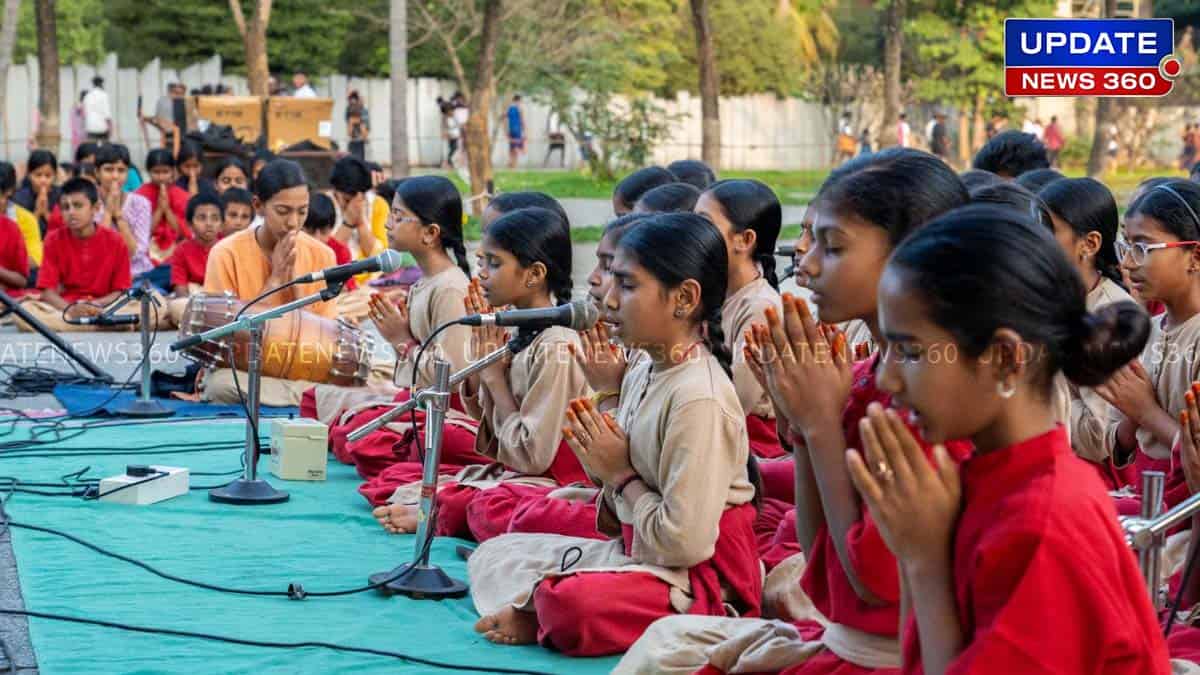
(323, 538)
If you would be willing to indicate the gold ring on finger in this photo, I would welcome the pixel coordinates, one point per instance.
(883, 472)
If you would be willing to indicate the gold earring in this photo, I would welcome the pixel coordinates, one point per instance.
(528, 284)
(678, 312)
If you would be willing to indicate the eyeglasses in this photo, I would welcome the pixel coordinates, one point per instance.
(1139, 252)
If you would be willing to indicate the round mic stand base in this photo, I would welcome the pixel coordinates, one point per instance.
(420, 582)
(248, 492)
(145, 407)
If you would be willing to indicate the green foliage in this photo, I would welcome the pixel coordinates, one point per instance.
(81, 28)
(959, 48)
(1076, 151)
(759, 47)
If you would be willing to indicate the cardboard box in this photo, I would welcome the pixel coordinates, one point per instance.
(294, 120)
(243, 113)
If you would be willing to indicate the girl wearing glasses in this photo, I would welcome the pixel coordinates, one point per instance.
(426, 222)
(1084, 222)
(1160, 254)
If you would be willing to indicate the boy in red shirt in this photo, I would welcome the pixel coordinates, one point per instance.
(237, 210)
(84, 266)
(191, 255)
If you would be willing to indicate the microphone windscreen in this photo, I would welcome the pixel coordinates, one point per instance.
(389, 261)
(584, 315)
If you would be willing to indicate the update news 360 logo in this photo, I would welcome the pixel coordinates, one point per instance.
(1089, 57)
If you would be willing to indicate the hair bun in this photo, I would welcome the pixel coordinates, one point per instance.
(1105, 341)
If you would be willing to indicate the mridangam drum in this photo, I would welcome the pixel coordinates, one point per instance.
(296, 346)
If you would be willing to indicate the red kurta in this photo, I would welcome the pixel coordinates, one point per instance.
(1044, 580)
(825, 580)
(84, 268)
(13, 254)
(188, 264)
(163, 235)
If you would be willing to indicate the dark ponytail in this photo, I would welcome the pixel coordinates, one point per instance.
(898, 189)
(981, 268)
(751, 205)
(434, 199)
(669, 198)
(675, 247)
(1086, 205)
(536, 235)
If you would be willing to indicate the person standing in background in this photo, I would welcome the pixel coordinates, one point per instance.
(939, 137)
(97, 112)
(903, 131)
(78, 135)
(557, 139)
(358, 126)
(300, 86)
(1052, 138)
(462, 113)
(516, 131)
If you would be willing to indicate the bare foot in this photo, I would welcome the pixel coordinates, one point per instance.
(509, 626)
(397, 518)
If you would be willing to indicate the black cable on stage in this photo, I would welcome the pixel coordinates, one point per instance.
(294, 591)
(270, 645)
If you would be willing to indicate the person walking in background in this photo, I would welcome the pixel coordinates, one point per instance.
(844, 142)
(864, 142)
(516, 131)
(97, 112)
(451, 132)
(939, 136)
(358, 126)
(78, 134)
(462, 114)
(903, 131)
(1053, 139)
(557, 138)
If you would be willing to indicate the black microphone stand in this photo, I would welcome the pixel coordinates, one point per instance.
(419, 579)
(11, 306)
(144, 406)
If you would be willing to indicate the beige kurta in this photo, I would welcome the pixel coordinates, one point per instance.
(1090, 414)
(543, 377)
(432, 302)
(688, 443)
(1170, 360)
(744, 307)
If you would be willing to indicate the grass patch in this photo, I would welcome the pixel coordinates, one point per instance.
(793, 187)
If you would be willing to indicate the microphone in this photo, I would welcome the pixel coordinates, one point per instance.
(388, 261)
(102, 320)
(577, 315)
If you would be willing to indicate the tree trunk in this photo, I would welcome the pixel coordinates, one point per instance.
(48, 133)
(398, 46)
(254, 41)
(8, 39)
(479, 155)
(964, 138)
(893, 47)
(1106, 109)
(710, 113)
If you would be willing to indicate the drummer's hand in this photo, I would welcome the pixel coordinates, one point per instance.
(283, 260)
(391, 319)
(80, 310)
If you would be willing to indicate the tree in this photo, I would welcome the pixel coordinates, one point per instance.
(1106, 112)
(80, 27)
(48, 135)
(710, 113)
(893, 49)
(479, 142)
(254, 38)
(398, 38)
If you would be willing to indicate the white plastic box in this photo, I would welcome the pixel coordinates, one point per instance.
(299, 449)
(148, 489)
